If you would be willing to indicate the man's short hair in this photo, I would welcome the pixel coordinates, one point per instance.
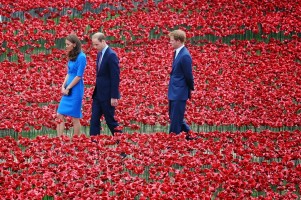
(178, 35)
(100, 36)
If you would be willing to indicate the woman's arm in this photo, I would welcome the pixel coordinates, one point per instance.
(64, 83)
(73, 82)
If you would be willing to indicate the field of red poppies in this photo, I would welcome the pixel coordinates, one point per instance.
(217, 165)
(247, 70)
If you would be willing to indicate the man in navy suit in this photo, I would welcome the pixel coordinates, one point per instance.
(181, 82)
(106, 92)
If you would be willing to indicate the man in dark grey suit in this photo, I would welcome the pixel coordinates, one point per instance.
(106, 92)
(181, 82)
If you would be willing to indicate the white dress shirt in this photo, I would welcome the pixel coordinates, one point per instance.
(178, 50)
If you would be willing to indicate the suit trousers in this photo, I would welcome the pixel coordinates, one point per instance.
(100, 108)
(176, 115)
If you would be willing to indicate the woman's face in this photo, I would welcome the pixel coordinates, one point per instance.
(69, 45)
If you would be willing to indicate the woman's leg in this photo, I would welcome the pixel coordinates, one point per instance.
(76, 126)
(61, 125)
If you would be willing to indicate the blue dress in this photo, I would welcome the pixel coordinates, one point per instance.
(71, 105)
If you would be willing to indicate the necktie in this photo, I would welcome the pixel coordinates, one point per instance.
(99, 61)
(174, 56)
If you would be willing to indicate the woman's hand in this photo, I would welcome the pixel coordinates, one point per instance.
(66, 91)
(114, 102)
(62, 89)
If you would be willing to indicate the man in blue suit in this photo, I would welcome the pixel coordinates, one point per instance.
(181, 82)
(106, 92)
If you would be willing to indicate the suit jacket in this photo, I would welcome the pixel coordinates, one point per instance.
(107, 77)
(181, 79)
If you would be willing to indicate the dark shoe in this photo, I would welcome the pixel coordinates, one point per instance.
(123, 155)
(189, 137)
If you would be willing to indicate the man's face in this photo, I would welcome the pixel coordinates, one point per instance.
(175, 43)
(97, 44)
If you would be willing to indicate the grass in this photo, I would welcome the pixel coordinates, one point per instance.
(144, 128)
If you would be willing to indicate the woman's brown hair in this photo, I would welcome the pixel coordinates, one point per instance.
(72, 55)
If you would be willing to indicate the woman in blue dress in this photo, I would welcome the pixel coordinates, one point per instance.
(73, 86)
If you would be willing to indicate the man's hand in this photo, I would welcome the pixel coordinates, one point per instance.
(114, 102)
